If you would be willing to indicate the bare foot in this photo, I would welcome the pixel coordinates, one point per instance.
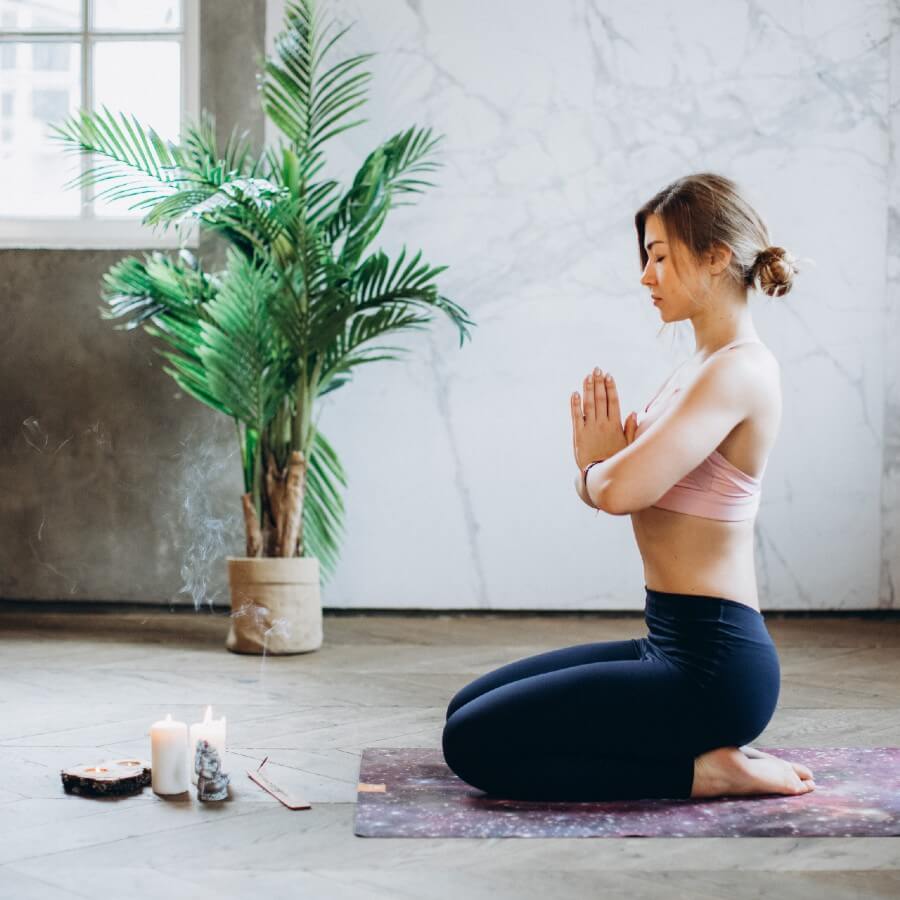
(753, 753)
(729, 771)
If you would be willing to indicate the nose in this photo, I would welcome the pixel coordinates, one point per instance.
(647, 277)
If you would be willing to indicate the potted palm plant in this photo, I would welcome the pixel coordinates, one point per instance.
(294, 310)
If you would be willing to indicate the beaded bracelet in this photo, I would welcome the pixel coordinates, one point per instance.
(587, 469)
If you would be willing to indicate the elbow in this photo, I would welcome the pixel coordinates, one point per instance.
(600, 493)
(612, 502)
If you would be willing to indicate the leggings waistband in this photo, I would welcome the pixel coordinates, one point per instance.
(696, 606)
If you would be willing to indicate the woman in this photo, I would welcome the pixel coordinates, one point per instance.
(668, 715)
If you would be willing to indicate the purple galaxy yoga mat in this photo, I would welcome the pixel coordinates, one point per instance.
(410, 792)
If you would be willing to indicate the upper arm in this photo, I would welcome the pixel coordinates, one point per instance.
(694, 423)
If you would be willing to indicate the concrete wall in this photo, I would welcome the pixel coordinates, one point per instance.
(116, 486)
(559, 122)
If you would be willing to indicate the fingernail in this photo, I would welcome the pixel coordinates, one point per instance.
(609, 378)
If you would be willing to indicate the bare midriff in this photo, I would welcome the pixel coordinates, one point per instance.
(686, 554)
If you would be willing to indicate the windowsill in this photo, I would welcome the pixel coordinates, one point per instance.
(91, 234)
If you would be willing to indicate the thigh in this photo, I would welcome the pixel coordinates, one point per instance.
(550, 661)
(644, 708)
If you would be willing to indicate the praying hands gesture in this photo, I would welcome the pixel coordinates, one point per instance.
(597, 431)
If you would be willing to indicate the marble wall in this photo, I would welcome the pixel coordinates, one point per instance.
(560, 118)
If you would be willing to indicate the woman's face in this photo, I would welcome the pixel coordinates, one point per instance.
(674, 289)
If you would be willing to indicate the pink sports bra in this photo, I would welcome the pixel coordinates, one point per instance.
(716, 489)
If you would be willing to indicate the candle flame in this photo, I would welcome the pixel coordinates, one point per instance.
(208, 716)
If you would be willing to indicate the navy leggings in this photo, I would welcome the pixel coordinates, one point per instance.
(616, 720)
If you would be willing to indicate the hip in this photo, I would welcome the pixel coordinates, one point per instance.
(722, 645)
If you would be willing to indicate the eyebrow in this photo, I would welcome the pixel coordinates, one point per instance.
(652, 243)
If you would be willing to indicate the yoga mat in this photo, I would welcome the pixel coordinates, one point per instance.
(411, 792)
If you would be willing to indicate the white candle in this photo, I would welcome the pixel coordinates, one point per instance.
(212, 730)
(168, 743)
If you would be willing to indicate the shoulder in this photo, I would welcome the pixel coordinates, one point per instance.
(760, 367)
(748, 376)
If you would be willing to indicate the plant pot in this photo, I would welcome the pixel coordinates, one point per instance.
(276, 607)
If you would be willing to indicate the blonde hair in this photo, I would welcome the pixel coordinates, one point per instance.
(704, 210)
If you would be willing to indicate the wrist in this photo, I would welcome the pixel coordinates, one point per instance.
(584, 477)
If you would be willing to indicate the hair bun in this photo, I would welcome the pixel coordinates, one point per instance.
(774, 270)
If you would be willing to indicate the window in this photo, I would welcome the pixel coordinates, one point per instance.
(58, 56)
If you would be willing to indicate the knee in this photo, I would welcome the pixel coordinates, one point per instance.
(451, 742)
(459, 750)
(452, 707)
(460, 698)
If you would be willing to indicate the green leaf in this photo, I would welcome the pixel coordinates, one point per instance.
(302, 103)
(323, 506)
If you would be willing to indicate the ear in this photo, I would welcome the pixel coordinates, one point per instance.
(718, 258)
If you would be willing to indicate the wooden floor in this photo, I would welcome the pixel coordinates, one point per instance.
(83, 686)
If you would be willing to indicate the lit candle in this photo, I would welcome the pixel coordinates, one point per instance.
(168, 743)
(212, 730)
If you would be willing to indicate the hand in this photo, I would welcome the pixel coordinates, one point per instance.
(597, 431)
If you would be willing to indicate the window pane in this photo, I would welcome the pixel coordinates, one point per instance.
(8, 55)
(34, 168)
(140, 78)
(51, 57)
(148, 15)
(47, 15)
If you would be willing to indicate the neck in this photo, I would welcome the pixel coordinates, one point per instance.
(726, 321)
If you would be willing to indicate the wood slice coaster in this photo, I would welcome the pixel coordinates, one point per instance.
(111, 777)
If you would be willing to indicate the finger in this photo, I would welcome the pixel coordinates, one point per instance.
(575, 406)
(612, 399)
(600, 394)
(589, 408)
(577, 424)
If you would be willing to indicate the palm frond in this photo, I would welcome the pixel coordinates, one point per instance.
(211, 181)
(384, 173)
(323, 506)
(137, 291)
(307, 107)
(344, 352)
(199, 150)
(138, 161)
(240, 345)
(377, 283)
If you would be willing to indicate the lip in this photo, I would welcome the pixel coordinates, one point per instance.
(655, 298)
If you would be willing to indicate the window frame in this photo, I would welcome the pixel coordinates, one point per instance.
(86, 231)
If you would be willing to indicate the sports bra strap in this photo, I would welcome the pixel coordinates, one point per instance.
(735, 343)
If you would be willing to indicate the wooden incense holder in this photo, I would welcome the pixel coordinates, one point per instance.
(291, 802)
(108, 778)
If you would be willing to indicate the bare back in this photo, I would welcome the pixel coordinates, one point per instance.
(688, 554)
